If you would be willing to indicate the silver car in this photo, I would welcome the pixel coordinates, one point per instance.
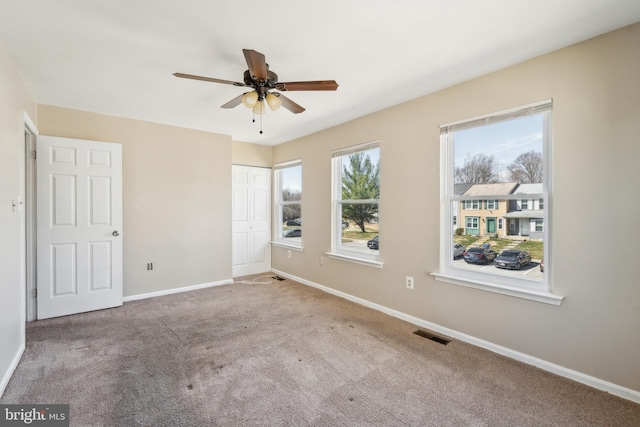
(458, 250)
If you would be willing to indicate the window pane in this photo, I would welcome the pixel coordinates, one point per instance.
(500, 159)
(289, 210)
(292, 222)
(292, 184)
(358, 235)
(508, 151)
(361, 175)
(466, 236)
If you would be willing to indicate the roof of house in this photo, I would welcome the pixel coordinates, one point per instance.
(491, 189)
(529, 214)
(459, 189)
(535, 188)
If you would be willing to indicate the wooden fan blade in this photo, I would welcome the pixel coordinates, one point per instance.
(234, 102)
(256, 63)
(207, 79)
(289, 104)
(311, 85)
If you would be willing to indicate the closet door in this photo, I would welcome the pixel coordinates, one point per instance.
(251, 216)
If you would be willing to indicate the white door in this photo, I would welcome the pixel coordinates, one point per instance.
(79, 226)
(251, 216)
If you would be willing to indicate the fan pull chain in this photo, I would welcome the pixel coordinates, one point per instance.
(261, 124)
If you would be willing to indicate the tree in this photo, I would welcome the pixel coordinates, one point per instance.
(291, 211)
(360, 181)
(526, 168)
(477, 169)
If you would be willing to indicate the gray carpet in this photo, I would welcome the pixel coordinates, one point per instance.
(284, 354)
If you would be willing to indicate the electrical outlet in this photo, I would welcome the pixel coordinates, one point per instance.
(288, 254)
(149, 266)
(409, 282)
(321, 261)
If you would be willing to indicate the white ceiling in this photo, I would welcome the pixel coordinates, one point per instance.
(117, 57)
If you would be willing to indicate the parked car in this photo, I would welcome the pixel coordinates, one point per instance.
(458, 250)
(293, 233)
(512, 259)
(345, 224)
(373, 243)
(294, 223)
(542, 265)
(476, 255)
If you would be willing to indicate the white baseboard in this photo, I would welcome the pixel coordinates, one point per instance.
(623, 392)
(12, 367)
(176, 290)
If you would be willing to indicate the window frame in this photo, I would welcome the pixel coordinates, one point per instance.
(535, 290)
(278, 206)
(336, 251)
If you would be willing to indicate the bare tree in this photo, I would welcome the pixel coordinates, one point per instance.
(526, 168)
(291, 211)
(477, 169)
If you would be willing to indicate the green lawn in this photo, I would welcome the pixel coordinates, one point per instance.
(359, 235)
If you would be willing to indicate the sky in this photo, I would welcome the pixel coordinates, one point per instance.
(292, 178)
(505, 140)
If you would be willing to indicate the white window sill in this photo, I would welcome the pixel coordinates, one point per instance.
(356, 260)
(518, 292)
(288, 246)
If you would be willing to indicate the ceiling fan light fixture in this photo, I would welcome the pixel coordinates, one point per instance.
(249, 99)
(274, 101)
(258, 108)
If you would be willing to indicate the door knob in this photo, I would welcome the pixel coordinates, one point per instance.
(116, 233)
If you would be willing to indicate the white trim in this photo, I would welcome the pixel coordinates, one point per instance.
(356, 148)
(29, 124)
(12, 367)
(287, 164)
(518, 292)
(606, 386)
(356, 260)
(176, 290)
(523, 110)
(29, 228)
(288, 246)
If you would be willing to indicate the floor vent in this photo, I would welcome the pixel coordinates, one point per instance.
(431, 337)
(278, 278)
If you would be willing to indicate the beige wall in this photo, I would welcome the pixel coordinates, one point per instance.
(176, 197)
(15, 99)
(596, 128)
(246, 154)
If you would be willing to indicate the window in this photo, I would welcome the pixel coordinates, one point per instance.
(502, 152)
(472, 205)
(539, 223)
(288, 204)
(472, 222)
(541, 204)
(355, 207)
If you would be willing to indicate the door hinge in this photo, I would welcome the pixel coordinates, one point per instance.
(34, 155)
(34, 293)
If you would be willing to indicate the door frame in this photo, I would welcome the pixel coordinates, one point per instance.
(29, 228)
(251, 265)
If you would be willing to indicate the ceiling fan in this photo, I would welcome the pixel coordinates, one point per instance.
(264, 82)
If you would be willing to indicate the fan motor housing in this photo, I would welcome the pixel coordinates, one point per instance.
(272, 80)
